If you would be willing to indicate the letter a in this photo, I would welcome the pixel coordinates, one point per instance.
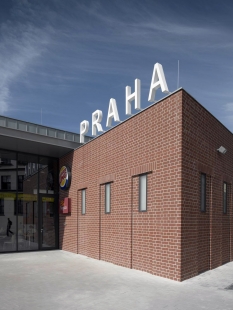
(112, 113)
(158, 80)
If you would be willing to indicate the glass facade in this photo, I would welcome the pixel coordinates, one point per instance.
(28, 195)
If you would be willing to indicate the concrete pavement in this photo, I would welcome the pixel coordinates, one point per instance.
(61, 280)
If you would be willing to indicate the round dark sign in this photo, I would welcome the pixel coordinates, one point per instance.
(64, 177)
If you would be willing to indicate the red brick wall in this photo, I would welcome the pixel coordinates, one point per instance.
(206, 237)
(150, 241)
(174, 142)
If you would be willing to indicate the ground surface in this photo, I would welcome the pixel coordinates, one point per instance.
(61, 280)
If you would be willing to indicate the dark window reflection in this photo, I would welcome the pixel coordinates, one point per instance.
(5, 162)
(20, 209)
(8, 219)
(1, 206)
(6, 182)
(20, 182)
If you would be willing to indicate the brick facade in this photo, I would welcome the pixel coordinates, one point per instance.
(206, 237)
(173, 142)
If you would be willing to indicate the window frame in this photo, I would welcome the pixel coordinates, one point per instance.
(225, 198)
(5, 162)
(18, 207)
(106, 207)
(6, 183)
(203, 194)
(83, 207)
(20, 179)
(141, 176)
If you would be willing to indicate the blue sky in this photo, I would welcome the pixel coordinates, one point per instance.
(68, 58)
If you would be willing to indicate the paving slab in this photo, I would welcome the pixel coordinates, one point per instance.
(62, 280)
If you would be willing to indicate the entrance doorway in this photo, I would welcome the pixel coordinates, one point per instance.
(48, 222)
(28, 202)
(40, 224)
(37, 223)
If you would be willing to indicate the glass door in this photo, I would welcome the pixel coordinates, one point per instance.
(48, 222)
(27, 222)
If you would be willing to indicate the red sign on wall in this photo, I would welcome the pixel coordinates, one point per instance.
(65, 206)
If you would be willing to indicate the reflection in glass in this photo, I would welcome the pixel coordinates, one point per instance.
(27, 202)
(8, 173)
(27, 223)
(48, 176)
(48, 224)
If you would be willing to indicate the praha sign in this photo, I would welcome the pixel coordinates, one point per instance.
(158, 81)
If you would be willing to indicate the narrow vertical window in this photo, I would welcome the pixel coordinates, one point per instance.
(203, 192)
(143, 192)
(107, 197)
(83, 201)
(224, 197)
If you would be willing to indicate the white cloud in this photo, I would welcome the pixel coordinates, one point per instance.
(129, 24)
(228, 107)
(4, 95)
(84, 37)
(21, 43)
(176, 29)
(227, 117)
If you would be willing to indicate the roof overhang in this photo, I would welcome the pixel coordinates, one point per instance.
(27, 142)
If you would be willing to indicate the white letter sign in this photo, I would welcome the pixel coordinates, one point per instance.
(96, 120)
(158, 80)
(136, 96)
(112, 113)
(84, 127)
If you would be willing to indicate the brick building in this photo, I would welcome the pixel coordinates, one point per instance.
(185, 224)
(153, 193)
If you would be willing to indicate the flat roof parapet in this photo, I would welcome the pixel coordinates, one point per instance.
(11, 123)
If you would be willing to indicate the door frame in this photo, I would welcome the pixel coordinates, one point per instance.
(40, 222)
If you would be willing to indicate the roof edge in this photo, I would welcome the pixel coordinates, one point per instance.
(130, 117)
